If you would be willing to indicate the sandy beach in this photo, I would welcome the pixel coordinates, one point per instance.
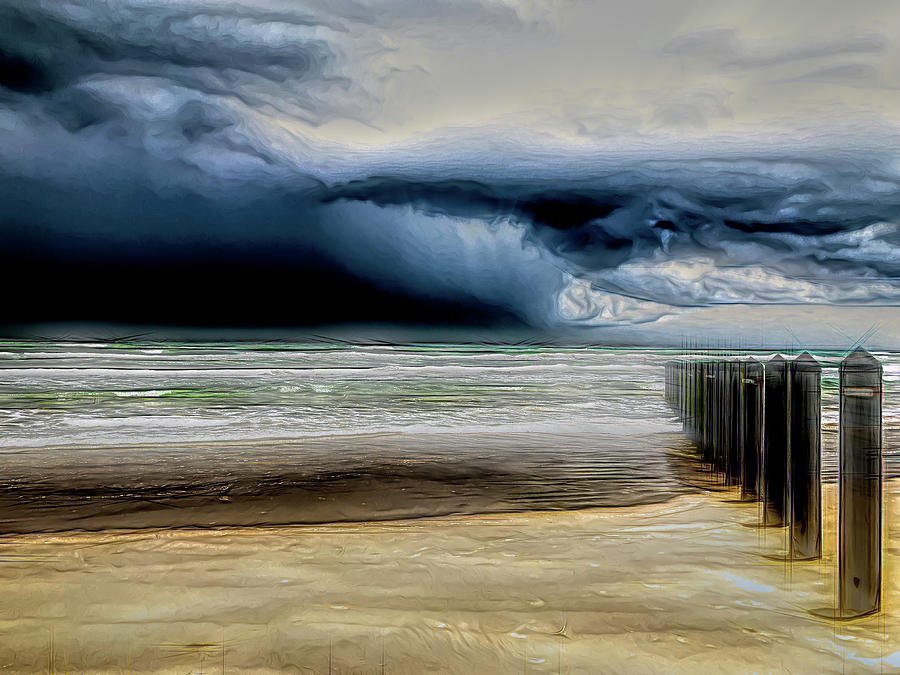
(682, 586)
(507, 512)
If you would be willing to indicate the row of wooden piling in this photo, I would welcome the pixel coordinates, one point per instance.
(758, 426)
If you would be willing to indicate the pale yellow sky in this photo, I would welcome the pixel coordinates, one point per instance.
(590, 71)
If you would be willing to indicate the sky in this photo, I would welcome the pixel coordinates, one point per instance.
(643, 172)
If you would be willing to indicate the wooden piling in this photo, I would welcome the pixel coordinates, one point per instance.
(804, 453)
(859, 538)
(751, 428)
(775, 443)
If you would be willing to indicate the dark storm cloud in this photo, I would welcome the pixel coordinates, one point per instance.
(156, 161)
(142, 177)
(626, 232)
(223, 54)
(284, 55)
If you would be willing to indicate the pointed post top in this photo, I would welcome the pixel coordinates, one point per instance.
(860, 359)
(776, 364)
(805, 363)
(776, 369)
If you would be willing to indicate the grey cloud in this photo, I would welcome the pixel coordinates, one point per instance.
(246, 57)
(724, 49)
(692, 109)
(307, 62)
(862, 74)
(343, 13)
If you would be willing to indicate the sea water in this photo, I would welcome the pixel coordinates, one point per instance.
(90, 394)
(443, 428)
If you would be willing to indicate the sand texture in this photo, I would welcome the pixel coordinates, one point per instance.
(677, 587)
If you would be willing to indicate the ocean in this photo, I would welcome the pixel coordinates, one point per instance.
(255, 434)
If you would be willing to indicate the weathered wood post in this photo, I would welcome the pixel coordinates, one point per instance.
(691, 408)
(859, 538)
(710, 407)
(804, 453)
(751, 428)
(775, 442)
(695, 399)
(723, 413)
(706, 412)
(667, 389)
(719, 418)
(677, 387)
(733, 414)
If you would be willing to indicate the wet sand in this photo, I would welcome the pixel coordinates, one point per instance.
(676, 587)
(364, 477)
(351, 478)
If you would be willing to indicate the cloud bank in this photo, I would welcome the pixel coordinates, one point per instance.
(288, 162)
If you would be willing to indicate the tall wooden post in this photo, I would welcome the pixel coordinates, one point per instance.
(751, 428)
(775, 443)
(804, 453)
(859, 545)
(733, 418)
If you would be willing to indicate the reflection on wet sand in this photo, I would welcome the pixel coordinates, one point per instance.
(322, 480)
